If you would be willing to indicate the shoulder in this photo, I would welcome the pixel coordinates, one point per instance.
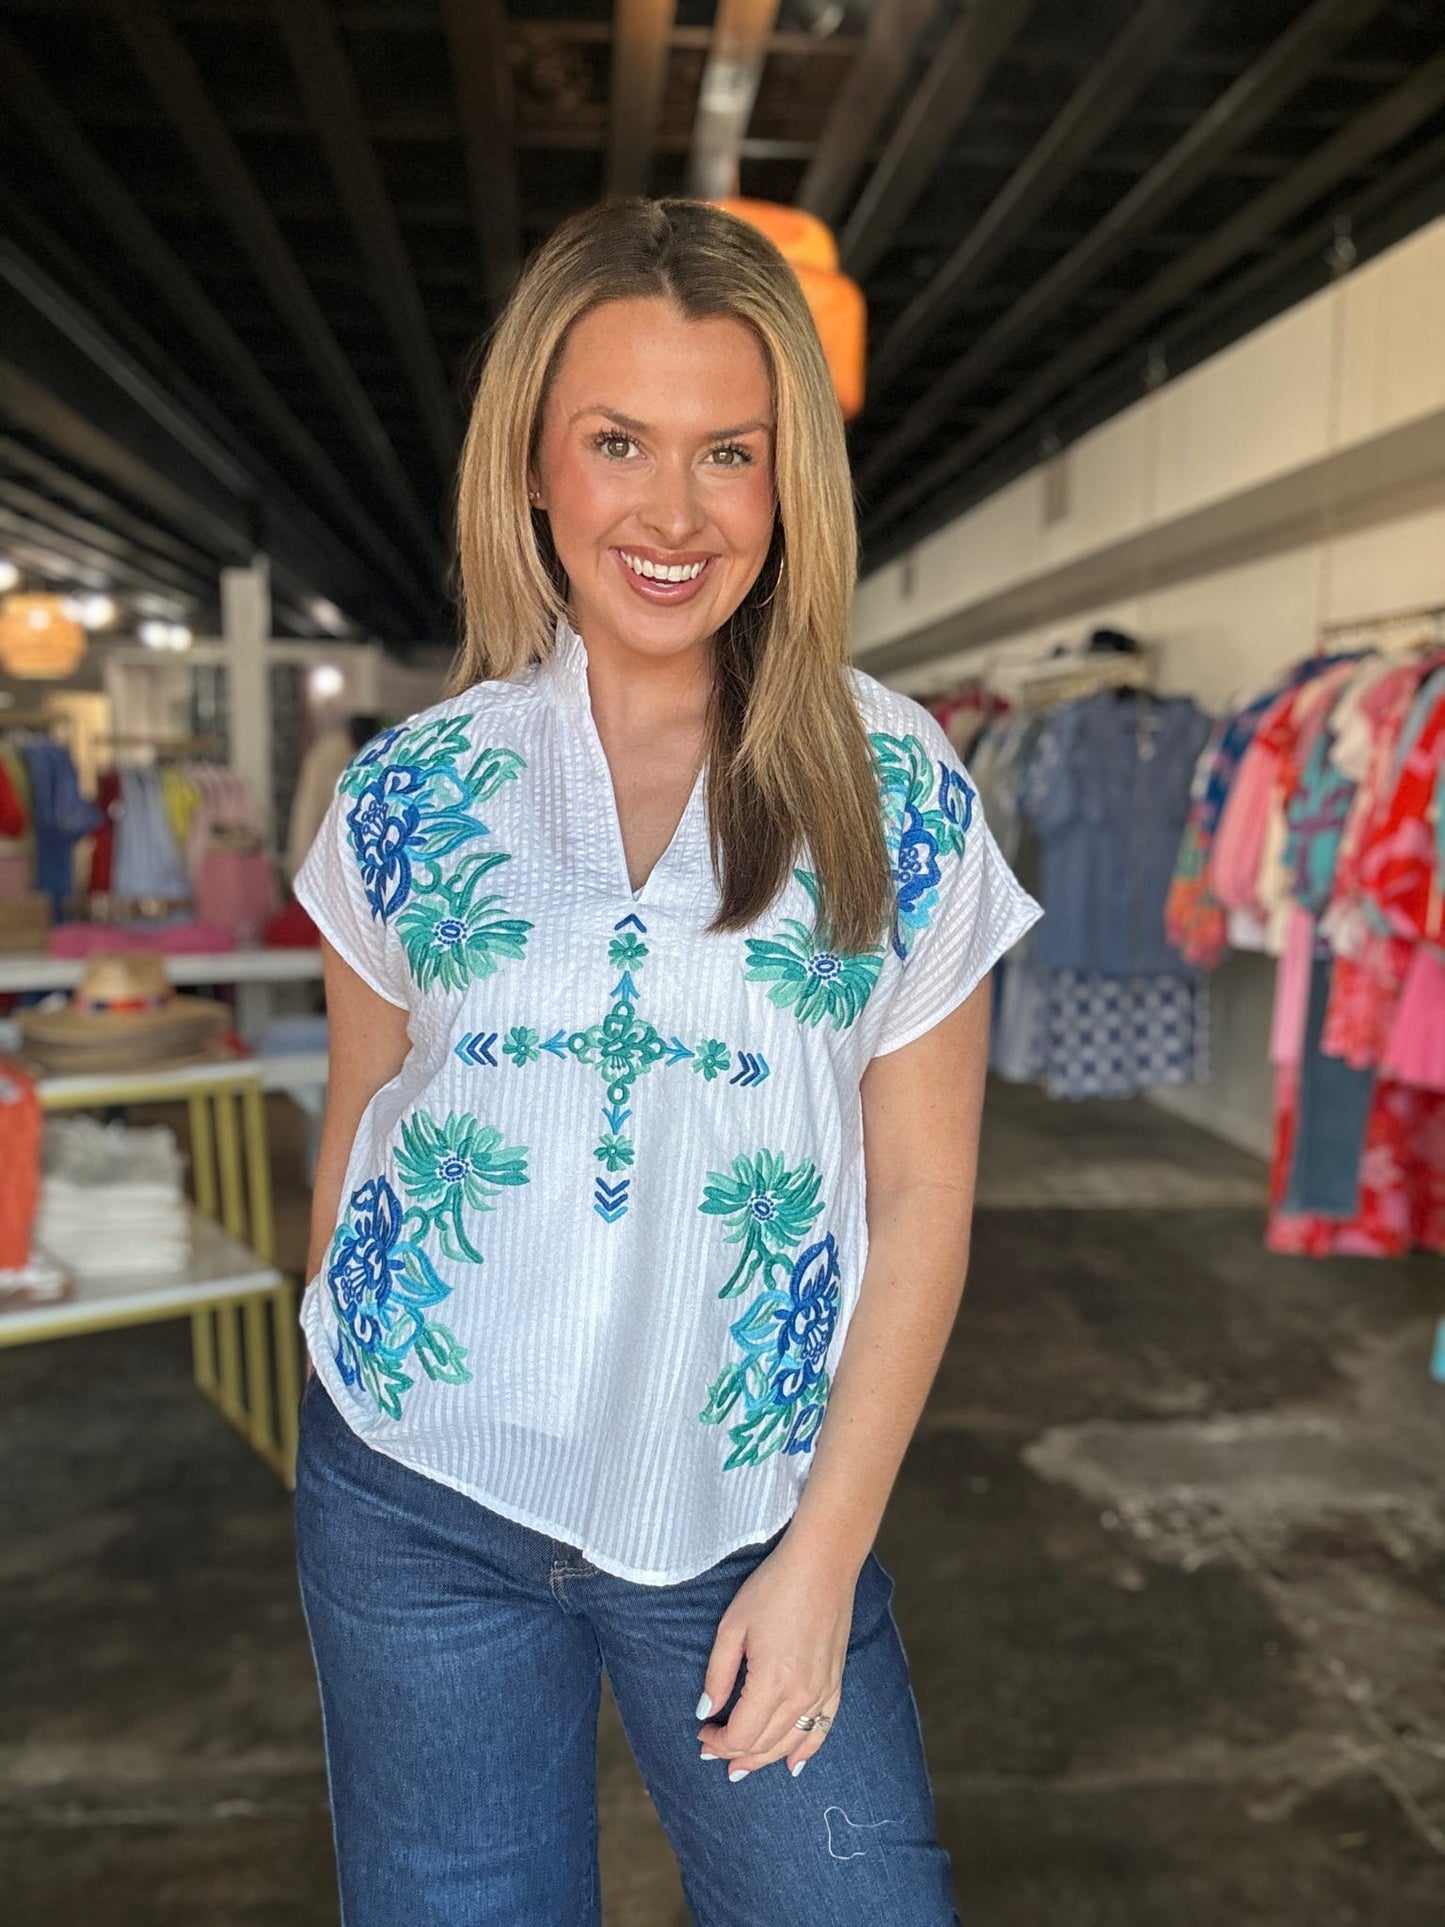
(438, 734)
(889, 713)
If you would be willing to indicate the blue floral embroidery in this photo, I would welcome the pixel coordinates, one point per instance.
(413, 805)
(927, 813)
(383, 1282)
(779, 1383)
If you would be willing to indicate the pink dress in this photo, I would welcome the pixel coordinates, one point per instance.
(1415, 1049)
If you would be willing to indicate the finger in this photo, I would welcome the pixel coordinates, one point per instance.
(722, 1670)
(797, 1757)
(778, 1738)
(758, 1707)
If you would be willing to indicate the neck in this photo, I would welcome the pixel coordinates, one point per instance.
(636, 691)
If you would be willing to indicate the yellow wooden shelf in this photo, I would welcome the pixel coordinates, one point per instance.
(245, 1343)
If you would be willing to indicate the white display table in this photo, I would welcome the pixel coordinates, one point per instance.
(244, 1338)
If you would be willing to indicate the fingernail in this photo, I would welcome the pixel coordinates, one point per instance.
(705, 1755)
(704, 1707)
(739, 1772)
(797, 1768)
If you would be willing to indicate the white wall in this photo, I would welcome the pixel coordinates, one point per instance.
(1297, 478)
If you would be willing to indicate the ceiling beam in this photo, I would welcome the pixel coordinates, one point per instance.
(328, 87)
(1109, 89)
(1279, 73)
(1391, 120)
(18, 459)
(31, 518)
(121, 369)
(69, 352)
(726, 94)
(947, 94)
(303, 535)
(177, 84)
(43, 114)
(863, 105)
(126, 552)
(641, 40)
(27, 404)
(477, 34)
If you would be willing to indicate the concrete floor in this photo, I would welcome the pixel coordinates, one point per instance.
(1169, 1545)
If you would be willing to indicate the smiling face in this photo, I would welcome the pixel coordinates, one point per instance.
(655, 468)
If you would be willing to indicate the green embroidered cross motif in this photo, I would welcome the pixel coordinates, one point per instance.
(621, 1047)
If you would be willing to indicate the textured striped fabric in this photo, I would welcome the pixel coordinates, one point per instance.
(602, 1236)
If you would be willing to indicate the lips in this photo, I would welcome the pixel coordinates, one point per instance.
(667, 593)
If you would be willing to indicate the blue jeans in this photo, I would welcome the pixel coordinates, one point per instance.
(460, 1660)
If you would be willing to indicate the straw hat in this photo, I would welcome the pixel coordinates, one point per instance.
(124, 1016)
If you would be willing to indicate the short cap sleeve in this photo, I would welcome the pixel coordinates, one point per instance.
(332, 890)
(960, 907)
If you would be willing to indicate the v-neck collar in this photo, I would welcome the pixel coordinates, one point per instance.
(562, 680)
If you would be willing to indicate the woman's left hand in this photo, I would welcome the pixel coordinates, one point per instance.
(791, 1618)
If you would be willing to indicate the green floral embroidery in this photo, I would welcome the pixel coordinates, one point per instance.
(768, 1208)
(615, 1151)
(522, 1045)
(626, 953)
(453, 936)
(784, 1334)
(812, 982)
(444, 1166)
(622, 1047)
(712, 1059)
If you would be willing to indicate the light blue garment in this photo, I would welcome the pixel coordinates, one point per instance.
(148, 860)
(1108, 793)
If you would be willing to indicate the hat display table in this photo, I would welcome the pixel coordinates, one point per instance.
(245, 1342)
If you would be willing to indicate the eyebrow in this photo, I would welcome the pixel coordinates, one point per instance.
(641, 428)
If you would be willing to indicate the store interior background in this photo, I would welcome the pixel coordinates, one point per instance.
(1169, 1544)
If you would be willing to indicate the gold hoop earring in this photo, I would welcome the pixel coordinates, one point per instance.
(777, 583)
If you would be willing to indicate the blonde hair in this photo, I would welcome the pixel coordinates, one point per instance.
(789, 761)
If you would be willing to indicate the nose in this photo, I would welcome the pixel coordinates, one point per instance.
(671, 509)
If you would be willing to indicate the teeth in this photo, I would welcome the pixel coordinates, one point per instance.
(655, 572)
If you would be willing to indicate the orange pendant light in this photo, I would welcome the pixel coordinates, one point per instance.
(838, 309)
(38, 639)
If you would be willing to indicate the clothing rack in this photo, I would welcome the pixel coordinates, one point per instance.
(162, 745)
(1424, 623)
(971, 685)
(1062, 679)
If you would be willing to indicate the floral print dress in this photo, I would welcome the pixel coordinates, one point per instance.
(602, 1236)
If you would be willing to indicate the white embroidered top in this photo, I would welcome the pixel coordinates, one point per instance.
(602, 1236)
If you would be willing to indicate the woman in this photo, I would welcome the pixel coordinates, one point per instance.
(637, 947)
